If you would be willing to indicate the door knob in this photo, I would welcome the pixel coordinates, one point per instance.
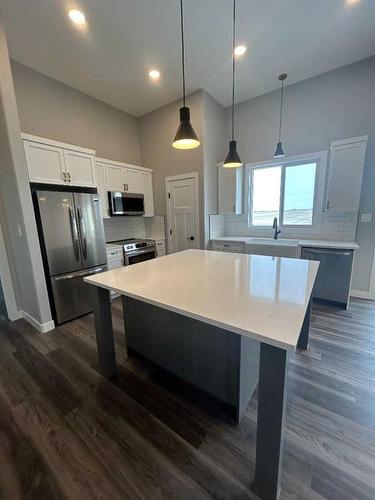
(191, 238)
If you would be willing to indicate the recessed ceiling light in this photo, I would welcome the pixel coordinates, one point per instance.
(350, 3)
(240, 50)
(77, 16)
(154, 74)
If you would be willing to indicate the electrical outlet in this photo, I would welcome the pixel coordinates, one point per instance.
(366, 218)
(20, 233)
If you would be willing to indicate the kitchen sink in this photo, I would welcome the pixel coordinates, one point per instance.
(281, 247)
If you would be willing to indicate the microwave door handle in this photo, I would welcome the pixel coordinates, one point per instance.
(82, 226)
(74, 231)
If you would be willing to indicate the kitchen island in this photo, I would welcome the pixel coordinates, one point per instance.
(223, 322)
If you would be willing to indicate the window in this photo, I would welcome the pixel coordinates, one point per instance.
(299, 194)
(285, 191)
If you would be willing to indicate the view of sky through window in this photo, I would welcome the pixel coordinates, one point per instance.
(298, 195)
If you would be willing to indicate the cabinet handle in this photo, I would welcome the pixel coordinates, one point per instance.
(63, 176)
(124, 187)
(69, 179)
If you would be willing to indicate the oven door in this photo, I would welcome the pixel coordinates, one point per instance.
(126, 203)
(139, 256)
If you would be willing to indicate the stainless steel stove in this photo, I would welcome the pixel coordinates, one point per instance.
(137, 250)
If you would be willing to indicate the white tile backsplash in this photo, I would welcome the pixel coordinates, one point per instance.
(335, 226)
(120, 228)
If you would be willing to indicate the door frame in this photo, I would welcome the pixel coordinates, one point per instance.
(7, 283)
(191, 175)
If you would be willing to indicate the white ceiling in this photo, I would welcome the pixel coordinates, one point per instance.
(125, 38)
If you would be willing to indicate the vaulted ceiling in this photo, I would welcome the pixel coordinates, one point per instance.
(109, 59)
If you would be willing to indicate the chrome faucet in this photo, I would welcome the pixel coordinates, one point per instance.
(276, 230)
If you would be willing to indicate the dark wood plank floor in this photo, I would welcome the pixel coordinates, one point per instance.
(67, 433)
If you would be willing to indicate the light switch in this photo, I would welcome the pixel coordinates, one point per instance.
(366, 217)
(19, 230)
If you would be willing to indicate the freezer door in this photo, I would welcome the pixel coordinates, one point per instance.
(72, 295)
(60, 231)
(91, 229)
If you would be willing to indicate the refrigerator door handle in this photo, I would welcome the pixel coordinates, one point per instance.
(83, 232)
(74, 230)
(80, 274)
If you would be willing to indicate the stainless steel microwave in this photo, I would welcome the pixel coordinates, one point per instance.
(126, 203)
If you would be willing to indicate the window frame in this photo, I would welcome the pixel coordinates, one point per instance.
(320, 159)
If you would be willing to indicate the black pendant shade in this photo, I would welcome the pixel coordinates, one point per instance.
(185, 137)
(279, 153)
(232, 159)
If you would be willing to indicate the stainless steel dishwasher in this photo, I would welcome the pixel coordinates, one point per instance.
(334, 276)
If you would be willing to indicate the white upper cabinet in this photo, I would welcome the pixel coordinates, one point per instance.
(146, 187)
(125, 178)
(52, 162)
(80, 168)
(345, 173)
(102, 188)
(230, 190)
(132, 180)
(45, 163)
(115, 178)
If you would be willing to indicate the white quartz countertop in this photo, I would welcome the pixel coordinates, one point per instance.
(264, 298)
(348, 245)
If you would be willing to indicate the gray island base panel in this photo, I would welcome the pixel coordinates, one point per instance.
(270, 360)
(220, 363)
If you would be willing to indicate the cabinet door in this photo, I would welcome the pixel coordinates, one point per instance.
(132, 180)
(45, 163)
(230, 190)
(115, 178)
(146, 185)
(160, 248)
(345, 173)
(80, 168)
(102, 188)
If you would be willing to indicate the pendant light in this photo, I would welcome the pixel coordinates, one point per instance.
(233, 160)
(185, 137)
(279, 153)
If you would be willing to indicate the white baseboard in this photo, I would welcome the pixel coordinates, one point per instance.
(41, 327)
(16, 315)
(360, 294)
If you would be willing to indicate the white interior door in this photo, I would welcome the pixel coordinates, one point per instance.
(182, 208)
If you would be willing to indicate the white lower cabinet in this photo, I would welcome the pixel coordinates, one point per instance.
(160, 248)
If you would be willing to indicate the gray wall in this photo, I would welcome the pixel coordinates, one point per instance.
(54, 110)
(157, 130)
(16, 210)
(336, 105)
(215, 142)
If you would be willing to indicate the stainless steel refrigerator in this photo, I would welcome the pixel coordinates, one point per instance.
(73, 246)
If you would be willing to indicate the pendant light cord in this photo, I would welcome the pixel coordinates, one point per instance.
(281, 108)
(233, 63)
(182, 53)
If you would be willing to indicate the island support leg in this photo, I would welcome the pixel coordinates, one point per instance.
(270, 424)
(104, 331)
(303, 341)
